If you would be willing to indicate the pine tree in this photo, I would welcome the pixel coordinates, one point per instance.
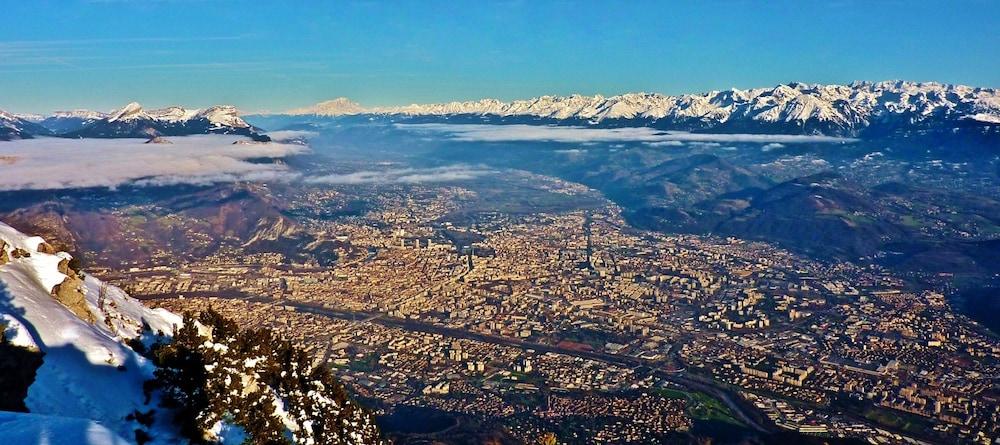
(241, 376)
(181, 377)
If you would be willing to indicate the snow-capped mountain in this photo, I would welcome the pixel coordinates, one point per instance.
(795, 107)
(30, 117)
(134, 121)
(81, 326)
(336, 107)
(14, 126)
(130, 112)
(67, 121)
(80, 114)
(130, 121)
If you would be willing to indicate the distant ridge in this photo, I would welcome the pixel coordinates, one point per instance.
(134, 121)
(794, 107)
(130, 121)
(336, 107)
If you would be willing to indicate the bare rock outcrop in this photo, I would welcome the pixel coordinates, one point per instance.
(65, 269)
(158, 140)
(70, 293)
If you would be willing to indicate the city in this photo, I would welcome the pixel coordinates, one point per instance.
(522, 319)
(499, 223)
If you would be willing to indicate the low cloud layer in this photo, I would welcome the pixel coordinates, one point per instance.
(665, 144)
(404, 175)
(53, 163)
(291, 135)
(522, 133)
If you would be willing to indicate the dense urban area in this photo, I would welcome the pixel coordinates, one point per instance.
(570, 321)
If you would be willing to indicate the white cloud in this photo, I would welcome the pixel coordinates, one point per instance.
(521, 132)
(54, 163)
(772, 146)
(449, 173)
(665, 144)
(286, 135)
(705, 144)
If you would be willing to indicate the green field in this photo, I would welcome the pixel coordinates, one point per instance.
(701, 406)
(366, 364)
(896, 419)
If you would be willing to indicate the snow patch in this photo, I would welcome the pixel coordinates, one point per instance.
(988, 118)
(30, 428)
(88, 372)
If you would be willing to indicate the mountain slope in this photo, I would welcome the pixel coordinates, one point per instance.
(81, 325)
(25, 428)
(16, 127)
(674, 182)
(182, 223)
(69, 121)
(816, 215)
(812, 214)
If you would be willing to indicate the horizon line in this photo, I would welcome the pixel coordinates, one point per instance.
(374, 109)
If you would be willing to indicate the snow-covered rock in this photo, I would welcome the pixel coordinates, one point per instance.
(88, 371)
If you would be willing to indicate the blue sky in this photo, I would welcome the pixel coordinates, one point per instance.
(266, 55)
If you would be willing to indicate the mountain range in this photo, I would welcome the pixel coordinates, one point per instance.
(13, 126)
(841, 110)
(859, 109)
(130, 121)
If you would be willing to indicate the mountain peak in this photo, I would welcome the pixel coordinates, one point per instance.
(334, 107)
(79, 113)
(131, 111)
(173, 114)
(223, 116)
